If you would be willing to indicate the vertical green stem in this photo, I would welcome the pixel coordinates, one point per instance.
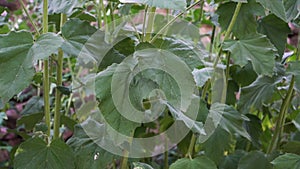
(191, 146)
(225, 86)
(58, 94)
(201, 12)
(166, 156)
(98, 12)
(212, 40)
(111, 8)
(227, 34)
(46, 81)
(45, 16)
(29, 17)
(104, 14)
(229, 29)
(125, 160)
(298, 48)
(46, 95)
(150, 21)
(144, 23)
(126, 154)
(281, 119)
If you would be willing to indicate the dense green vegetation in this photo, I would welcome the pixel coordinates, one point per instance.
(82, 82)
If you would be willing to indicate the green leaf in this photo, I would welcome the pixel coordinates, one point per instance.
(34, 105)
(141, 165)
(292, 147)
(232, 92)
(254, 160)
(231, 120)
(35, 153)
(189, 54)
(32, 113)
(87, 153)
(62, 6)
(30, 120)
(231, 161)
(288, 160)
(258, 93)
(275, 6)
(168, 4)
(276, 30)
(245, 22)
(254, 128)
(83, 15)
(76, 34)
(293, 69)
(16, 64)
(257, 49)
(107, 107)
(201, 162)
(68, 122)
(46, 45)
(219, 142)
(201, 76)
(117, 52)
(195, 126)
(64, 90)
(292, 9)
(244, 76)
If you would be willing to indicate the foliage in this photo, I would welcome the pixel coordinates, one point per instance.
(258, 126)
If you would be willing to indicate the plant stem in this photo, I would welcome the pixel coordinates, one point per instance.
(98, 12)
(45, 16)
(212, 40)
(161, 31)
(191, 146)
(227, 34)
(125, 160)
(224, 91)
(166, 157)
(229, 29)
(150, 21)
(144, 23)
(126, 153)
(201, 12)
(46, 81)
(281, 119)
(298, 48)
(46, 95)
(104, 14)
(58, 94)
(29, 17)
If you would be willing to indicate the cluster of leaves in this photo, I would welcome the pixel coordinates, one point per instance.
(260, 120)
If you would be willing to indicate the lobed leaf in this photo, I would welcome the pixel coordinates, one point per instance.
(256, 48)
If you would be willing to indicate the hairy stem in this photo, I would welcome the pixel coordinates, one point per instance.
(126, 153)
(227, 34)
(58, 94)
(46, 81)
(166, 157)
(104, 14)
(150, 21)
(191, 147)
(29, 17)
(298, 48)
(281, 119)
(144, 23)
(229, 29)
(98, 11)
